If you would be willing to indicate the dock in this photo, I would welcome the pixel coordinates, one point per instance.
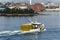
(52, 9)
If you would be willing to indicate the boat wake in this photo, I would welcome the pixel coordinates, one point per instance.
(9, 33)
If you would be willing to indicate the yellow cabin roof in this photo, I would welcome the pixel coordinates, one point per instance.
(26, 27)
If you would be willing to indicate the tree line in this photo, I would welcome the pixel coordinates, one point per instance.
(17, 11)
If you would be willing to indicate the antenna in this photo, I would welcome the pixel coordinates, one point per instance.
(30, 20)
(33, 20)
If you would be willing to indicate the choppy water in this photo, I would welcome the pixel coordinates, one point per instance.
(51, 21)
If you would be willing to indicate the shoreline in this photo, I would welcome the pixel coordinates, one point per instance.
(1, 14)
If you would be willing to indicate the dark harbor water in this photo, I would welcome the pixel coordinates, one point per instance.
(51, 21)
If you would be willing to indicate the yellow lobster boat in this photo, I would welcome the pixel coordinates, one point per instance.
(32, 27)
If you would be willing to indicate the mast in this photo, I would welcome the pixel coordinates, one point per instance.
(30, 2)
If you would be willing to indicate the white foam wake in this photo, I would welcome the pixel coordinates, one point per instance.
(7, 33)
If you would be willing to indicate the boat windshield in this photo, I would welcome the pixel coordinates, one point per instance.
(35, 26)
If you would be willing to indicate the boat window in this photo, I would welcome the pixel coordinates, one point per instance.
(35, 26)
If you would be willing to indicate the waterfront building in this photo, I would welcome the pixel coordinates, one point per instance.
(37, 7)
(51, 5)
(1, 7)
(21, 6)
